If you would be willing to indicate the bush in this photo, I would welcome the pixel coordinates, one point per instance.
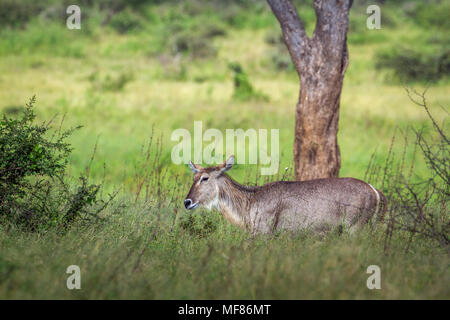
(14, 13)
(195, 40)
(34, 191)
(416, 65)
(418, 205)
(429, 14)
(125, 21)
(195, 44)
(243, 89)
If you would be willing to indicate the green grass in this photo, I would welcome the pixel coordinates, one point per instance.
(120, 85)
(126, 259)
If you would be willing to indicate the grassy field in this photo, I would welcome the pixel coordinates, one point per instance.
(151, 69)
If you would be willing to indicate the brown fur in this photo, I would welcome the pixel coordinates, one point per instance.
(285, 205)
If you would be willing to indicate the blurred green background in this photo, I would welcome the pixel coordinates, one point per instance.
(138, 64)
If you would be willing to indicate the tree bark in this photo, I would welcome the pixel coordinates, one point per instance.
(320, 62)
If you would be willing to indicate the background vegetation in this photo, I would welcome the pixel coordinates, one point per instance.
(139, 69)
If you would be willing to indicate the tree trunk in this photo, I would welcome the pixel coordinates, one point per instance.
(321, 62)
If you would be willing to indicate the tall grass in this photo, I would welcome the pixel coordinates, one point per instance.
(148, 247)
(131, 79)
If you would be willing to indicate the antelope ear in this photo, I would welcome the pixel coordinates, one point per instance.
(194, 167)
(227, 165)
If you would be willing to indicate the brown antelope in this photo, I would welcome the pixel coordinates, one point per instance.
(285, 205)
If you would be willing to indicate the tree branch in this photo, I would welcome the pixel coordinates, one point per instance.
(332, 21)
(294, 33)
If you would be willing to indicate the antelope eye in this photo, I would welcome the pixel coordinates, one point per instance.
(204, 179)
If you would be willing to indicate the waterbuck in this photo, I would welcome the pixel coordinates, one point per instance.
(285, 205)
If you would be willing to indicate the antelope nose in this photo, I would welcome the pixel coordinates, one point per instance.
(187, 203)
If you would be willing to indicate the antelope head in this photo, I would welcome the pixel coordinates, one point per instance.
(205, 188)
